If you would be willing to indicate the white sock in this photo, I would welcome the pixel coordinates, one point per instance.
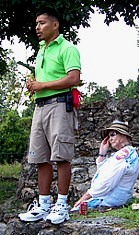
(44, 201)
(62, 199)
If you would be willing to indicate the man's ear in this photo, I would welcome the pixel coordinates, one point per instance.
(56, 25)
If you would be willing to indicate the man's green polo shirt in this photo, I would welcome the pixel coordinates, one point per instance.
(54, 62)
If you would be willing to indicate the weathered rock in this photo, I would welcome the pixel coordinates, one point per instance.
(2, 228)
(92, 118)
(97, 226)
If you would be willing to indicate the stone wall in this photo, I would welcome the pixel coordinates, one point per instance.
(97, 226)
(92, 118)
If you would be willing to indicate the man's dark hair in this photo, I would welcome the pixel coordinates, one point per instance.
(49, 11)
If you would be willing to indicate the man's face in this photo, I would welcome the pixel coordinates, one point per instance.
(45, 27)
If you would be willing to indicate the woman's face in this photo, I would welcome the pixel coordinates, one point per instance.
(117, 140)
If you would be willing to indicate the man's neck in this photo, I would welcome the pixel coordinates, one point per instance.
(51, 39)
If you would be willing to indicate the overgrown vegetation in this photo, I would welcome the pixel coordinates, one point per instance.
(97, 93)
(14, 136)
(131, 216)
(9, 175)
(7, 189)
(10, 171)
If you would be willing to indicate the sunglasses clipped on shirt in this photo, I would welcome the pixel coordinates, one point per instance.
(112, 134)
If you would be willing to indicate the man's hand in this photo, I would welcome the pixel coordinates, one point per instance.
(33, 85)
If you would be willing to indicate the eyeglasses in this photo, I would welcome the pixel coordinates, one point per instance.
(112, 134)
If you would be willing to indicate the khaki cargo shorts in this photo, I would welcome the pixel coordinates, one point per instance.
(52, 134)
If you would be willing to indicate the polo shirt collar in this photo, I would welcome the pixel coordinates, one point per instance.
(58, 40)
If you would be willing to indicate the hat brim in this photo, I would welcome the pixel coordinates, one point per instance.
(106, 131)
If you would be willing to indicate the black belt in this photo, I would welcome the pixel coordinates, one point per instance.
(40, 102)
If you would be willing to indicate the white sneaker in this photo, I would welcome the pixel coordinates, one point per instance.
(34, 212)
(58, 214)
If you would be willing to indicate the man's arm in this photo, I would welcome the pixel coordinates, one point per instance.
(71, 79)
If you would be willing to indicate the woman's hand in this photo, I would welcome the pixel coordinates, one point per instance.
(85, 197)
(78, 203)
(104, 146)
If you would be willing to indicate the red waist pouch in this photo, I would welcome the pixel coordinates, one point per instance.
(76, 98)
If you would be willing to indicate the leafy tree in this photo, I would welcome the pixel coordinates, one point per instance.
(130, 90)
(17, 17)
(96, 93)
(3, 64)
(14, 136)
(12, 85)
(28, 112)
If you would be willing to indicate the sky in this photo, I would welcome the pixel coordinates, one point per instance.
(108, 53)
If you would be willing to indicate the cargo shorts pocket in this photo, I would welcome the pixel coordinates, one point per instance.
(65, 150)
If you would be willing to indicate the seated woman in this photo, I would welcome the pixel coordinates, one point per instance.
(112, 184)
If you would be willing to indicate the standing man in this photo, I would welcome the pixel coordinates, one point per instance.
(52, 132)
